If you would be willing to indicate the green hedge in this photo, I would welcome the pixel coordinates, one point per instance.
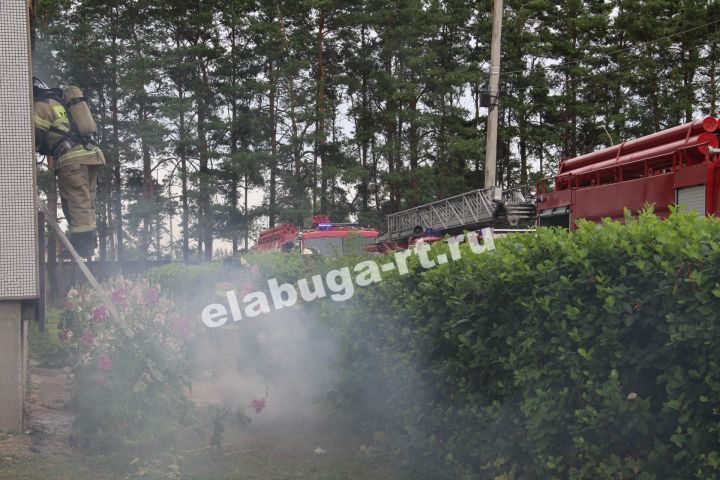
(181, 280)
(584, 355)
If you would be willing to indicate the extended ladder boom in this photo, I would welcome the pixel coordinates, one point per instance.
(475, 209)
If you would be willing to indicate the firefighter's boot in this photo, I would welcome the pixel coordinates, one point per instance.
(84, 242)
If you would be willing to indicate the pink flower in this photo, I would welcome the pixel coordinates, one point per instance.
(87, 338)
(152, 296)
(255, 270)
(104, 362)
(258, 405)
(100, 313)
(118, 297)
(68, 304)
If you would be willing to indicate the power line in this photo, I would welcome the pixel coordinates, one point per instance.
(624, 67)
(650, 42)
(617, 69)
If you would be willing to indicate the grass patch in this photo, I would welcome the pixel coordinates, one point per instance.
(261, 454)
(57, 467)
(46, 348)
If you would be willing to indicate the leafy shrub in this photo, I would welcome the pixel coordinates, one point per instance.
(178, 279)
(131, 382)
(592, 354)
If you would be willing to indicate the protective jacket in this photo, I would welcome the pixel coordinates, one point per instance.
(64, 128)
(55, 136)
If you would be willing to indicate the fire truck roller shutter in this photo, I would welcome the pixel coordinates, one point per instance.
(691, 198)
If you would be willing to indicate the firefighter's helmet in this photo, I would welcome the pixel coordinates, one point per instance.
(41, 89)
(39, 84)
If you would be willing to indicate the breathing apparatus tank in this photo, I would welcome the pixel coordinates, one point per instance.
(79, 112)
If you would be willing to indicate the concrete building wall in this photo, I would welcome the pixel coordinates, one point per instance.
(18, 214)
(12, 367)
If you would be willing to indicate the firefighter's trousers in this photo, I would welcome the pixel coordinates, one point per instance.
(78, 185)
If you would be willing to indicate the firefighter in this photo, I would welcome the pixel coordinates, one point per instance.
(64, 131)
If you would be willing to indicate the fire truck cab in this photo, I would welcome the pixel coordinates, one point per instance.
(677, 166)
(323, 238)
(327, 238)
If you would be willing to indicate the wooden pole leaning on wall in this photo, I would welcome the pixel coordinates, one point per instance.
(52, 244)
(42, 253)
(83, 268)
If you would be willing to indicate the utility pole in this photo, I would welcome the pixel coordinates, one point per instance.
(492, 122)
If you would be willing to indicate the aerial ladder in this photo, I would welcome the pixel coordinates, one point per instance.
(477, 209)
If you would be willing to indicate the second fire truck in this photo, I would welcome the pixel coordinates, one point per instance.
(677, 166)
(323, 238)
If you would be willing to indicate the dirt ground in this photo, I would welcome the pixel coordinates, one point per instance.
(306, 449)
(49, 418)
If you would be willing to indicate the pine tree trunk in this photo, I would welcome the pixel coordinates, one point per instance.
(374, 175)
(713, 76)
(441, 161)
(296, 144)
(414, 141)
(272, 207)
(102, 198)
(390, 137)
(182, 153)
(184, 200)
(523, 149)
(148, 194)
(115, 156)
(234, 179)
(110, 229)
(320, 114)
(158, 256)
(364, 125)
(204, 218)
(233, 193)
(688, 78)
(245, 213)
(654, 93)
(117, 180)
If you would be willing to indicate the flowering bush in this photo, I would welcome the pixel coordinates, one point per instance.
(132, 373)
(258, 405)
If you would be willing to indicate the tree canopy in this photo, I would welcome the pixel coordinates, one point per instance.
(354, 108)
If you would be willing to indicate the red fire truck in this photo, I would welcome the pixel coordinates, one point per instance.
(677, 166)
(324, 238)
